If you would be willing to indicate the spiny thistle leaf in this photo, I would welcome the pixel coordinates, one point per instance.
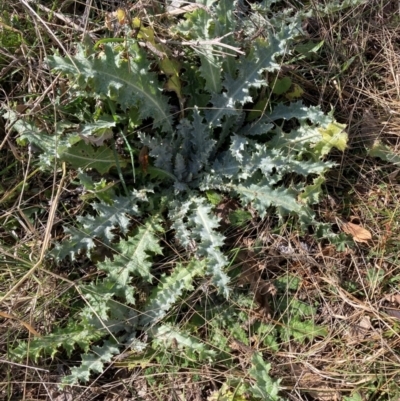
(201, 143)
(301, 331)
(51, 146)
(384, 152)
(108, 218)
(250, 68)
(312, 192)
(198, 229)
(110, 74)
(165, 335)
(97, 297)
(169, 290)
(300, 112)
(197, 26)
(262, 196)
(264, 387)
(277, 162)
(178, 213)
(333, 136)
(133, 259)
(204, 226)
(187, 153)
(92, 362)
(74, 334)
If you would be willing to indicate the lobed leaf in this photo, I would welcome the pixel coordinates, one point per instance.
(168, 291)
(134, 258)
(109, 74)
(100, 226)
(91, 362)
(264, 387)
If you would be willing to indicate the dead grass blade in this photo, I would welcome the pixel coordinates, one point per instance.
(47, 235)
(26, 325)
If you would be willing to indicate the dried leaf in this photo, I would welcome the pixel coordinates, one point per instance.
(144, 158)
(328, 250)
(359, 233)
(358, 332)
(21, 108)
(26, 325)
(325, 393)
(241, 347)
(393, 312)
(263, 291)
(393, 298)
(64, 396)
(108, 21)
(365, 323)
(223, 211)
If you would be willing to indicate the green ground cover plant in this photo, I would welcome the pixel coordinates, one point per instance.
(212, 146)
(196, 241)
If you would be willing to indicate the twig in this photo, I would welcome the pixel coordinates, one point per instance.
(23, 366)
(199, 43)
